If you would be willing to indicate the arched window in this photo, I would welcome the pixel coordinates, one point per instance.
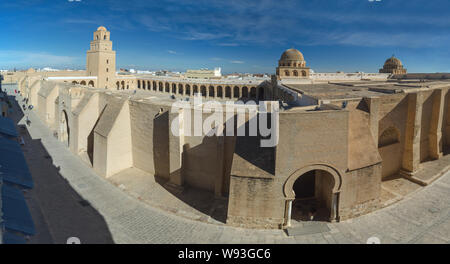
(244, 92)
(236, 92)
(304, 73)
(180, 88)
(295, 73)
(139, 84)
(253, 92)
(286, 73)
(388, 137)
(228, 92)
(167, 88)
(211, 91)
(83, 82)
(219, 91)
(203, 90)
(195, 90)
(91, 83)
(188, 89)
(174, 88)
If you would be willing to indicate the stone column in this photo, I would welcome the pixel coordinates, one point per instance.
(411, 156)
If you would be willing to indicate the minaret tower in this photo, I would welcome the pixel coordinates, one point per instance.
(101, 59)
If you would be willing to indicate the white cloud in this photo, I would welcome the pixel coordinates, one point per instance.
(237, 62)
(15, 57)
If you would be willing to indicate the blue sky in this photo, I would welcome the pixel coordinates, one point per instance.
(237, 35)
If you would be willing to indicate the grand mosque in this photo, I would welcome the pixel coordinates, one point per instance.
(341, 136)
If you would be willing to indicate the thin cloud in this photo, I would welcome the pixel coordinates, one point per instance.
(237, 62)
(228, 44)
(15, 57)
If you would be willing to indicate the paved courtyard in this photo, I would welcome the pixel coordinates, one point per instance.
(423, 217)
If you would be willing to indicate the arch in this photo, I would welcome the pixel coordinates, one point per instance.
(167, 90)
(244, 92)
(149, 85)
(203, 90)
(288, 186)
(118, 85)
(295, 73)
(389, 136)
(286, 73)
(155, 87)
(304, 73)
(236, 92)
(253, 93)
(211, 92)
(161, 87)
(180, 89)
(123, 85)
(219, 91)
(261, 96)
(91, 83)
(83, 83)
(188, 89)
(318, 187)
(64, 128)
(74, 82)
(195, 90)
(143, 85)
(228, 92)
(174, 88)
(391, 151)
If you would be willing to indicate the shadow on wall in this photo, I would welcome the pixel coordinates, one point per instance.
(67, 213)
(90, 139)
(446, 124)
(201, 168)
(392, 152)
(249, 147)
(161, 145)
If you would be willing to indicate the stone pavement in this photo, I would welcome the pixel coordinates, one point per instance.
(423, 217)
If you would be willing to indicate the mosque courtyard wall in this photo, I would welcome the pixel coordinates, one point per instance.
(337, 140)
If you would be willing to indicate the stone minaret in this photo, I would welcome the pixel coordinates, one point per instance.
(101, 59)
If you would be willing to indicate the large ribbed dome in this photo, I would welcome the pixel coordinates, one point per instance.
(292, 55)
(393, 61)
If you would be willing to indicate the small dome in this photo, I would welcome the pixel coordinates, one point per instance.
(102, 28)
(292, 55)
(393, 61)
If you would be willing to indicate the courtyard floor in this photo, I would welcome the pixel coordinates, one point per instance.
(421, 217)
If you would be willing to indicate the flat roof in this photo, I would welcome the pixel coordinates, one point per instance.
(359, 89)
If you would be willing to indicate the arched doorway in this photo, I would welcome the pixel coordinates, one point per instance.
(64, 128)
(312, 193)
(391, 152)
